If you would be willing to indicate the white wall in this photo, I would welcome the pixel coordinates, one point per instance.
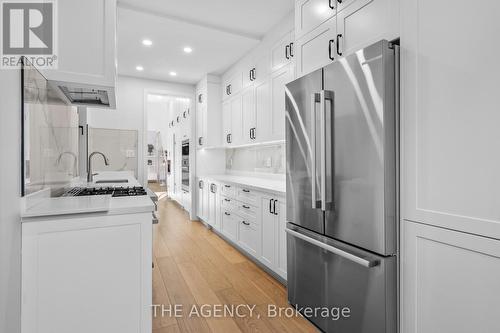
(10, 180)
(129, 113)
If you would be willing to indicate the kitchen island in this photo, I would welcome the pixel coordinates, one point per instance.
(86, 261)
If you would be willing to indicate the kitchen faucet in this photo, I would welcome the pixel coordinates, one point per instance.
(58, 161)
(90, 174)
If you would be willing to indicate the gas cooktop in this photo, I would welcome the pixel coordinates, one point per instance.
(128, 191)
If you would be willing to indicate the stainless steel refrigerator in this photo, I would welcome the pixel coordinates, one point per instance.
(342, 191)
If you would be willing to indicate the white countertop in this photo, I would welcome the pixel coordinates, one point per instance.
(40, 204)
(273, 184)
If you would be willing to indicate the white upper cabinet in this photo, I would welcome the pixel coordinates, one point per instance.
(249, 115)
(278, 81)
(208, 112)
(232, 84)
(226, 123)
(86, 45)
(282, 52)
(236, 120)
(317, 48)
(449, 110)
(364, 22)
(328, 34)
(309, 14)
(263, 114)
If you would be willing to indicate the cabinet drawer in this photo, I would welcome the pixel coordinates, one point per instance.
(247, 195)
(247, 209)
(229, 204)
(249, 236)
(229, 226)
(228, 190)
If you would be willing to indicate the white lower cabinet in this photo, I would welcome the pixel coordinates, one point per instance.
(254, 220)
(249, 236)
(213, 211)
(273, 252)
(450, 281)
(202, 199)
(90, 273)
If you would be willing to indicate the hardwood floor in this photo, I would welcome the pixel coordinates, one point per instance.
(195, 267)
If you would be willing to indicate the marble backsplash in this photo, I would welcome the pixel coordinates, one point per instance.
(259, 159)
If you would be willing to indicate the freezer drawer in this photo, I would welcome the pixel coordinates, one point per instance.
(324, 273)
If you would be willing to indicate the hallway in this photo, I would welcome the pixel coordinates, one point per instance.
(194, 266)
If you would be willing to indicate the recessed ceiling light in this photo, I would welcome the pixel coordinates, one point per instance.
(147, 42)
(139, 68)
(173, 74)
(187, 49)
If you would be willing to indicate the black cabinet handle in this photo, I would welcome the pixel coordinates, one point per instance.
(245, 206)
(254, 135)
(246, 191)
(254, 71)
(291, 49)
(330, 49)
(271, 206)
(250, 133)
(338, 44)
(245, 222)
(286, 51)
(331, 5)
(228, 186)
(200, 184)
(227, 200)
(250, 75)
(274, 207)
(339, 1)
(230, 89)
(200, 141)
(230, 137)
(226, 213)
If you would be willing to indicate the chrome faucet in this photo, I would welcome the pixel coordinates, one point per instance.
(75, 159)
(90, 174)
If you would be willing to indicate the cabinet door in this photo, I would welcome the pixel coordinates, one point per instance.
(264, 117)
(86, 42)
(309, 14)
(236, 120)
(229, 226)
(226, 122)
(278, 82)
(268, 225)
(450, 169)
(205, 194)
(364, 22)
(449, 281)
(262, 68)
(280, 52)
(212, 205)
(249, 117)
(201, 115)
(199, 199)
(317, 48)
(249, 236)
(281, 260)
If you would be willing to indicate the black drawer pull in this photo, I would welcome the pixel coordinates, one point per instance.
(226, 213)
(245, 222)
(228, 186)
(338, 44)
(246, 207)
(227, 200)
(246, 191)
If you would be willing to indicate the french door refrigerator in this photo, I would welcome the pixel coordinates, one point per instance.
(342, 192)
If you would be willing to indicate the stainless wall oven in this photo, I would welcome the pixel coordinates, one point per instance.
(185, 165)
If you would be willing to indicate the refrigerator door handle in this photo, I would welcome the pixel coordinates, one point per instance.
(325, 95)
(315, 98)
(349, 256)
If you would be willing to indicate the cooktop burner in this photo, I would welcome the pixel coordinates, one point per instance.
(128, 191)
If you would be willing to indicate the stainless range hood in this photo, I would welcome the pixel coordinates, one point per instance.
(87, 95)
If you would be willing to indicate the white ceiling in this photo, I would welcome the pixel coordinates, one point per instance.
(219, 31)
